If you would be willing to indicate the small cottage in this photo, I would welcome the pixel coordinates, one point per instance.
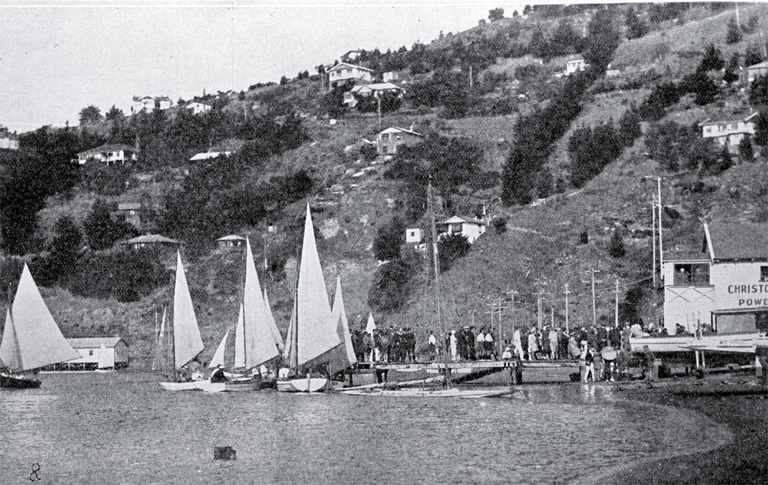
(109, 154)
(575, 64)
(131, 211)
(469, 228)
(97, 352)
(390, 139)
(8, 140)
(343, 73)
(756, 70)
(414, 235)
(152, 241)
(198, 108)
(232, 241)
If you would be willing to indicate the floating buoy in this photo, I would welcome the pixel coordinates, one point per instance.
(224, 453)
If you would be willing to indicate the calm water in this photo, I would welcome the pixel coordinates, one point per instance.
(123, 428)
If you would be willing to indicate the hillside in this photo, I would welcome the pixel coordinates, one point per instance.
(541, 248)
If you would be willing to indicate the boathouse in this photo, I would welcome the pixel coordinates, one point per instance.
(97, 352)
(723, 286)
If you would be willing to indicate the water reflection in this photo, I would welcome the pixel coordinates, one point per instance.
(121, 428)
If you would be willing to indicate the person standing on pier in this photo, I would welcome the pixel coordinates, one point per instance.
(454, 345)
(489, 353)
(480, 344)
(432, 346)
(533, 346)
(518, 343)
(553, 344)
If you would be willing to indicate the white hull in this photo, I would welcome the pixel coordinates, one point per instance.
(689, 343)
(740, 346)
(206, 386)
(426, 392)
(315, 384)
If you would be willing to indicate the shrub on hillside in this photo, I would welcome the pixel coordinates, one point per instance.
(390, 286)
(663, 96)
(109, 180)
(124, 275)
(451, 248)
(746, 152)
(616, 248)
(102, 231)
(733, 35)
(61, 262)
(591, 150)
(499, 224)
(669, 143)
(389, 238)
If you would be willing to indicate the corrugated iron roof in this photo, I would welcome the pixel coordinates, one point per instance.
(94, 342)
(152, 238)
(733, 241)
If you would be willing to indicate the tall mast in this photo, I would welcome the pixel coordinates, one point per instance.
(435, 255)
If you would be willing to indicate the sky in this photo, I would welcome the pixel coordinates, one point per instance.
(57, 57)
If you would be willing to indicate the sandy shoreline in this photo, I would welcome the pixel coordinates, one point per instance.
(741, 460)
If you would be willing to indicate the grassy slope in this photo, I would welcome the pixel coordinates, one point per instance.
(540, 242)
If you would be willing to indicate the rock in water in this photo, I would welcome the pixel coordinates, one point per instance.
(224, 453)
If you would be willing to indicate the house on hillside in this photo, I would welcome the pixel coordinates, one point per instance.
(197, 108)
(343, 73)
(724, 285)
(575, 64)
(130, 211)
(469, 228)
(149, 103)
(730, 131)
(109, 154)
(390, 139)
(756, 70)
(152, 241)
(390, 76)
(414, 235)
(368, 90)
(350, 56)
(115, 356)
(8, 140)
(232, 241)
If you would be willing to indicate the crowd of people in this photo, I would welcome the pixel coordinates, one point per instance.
(385, 345)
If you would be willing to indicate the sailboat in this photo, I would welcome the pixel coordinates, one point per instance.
(31, 339)
(187, 342)
(314, 332)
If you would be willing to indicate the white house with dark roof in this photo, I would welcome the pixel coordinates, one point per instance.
(375, 89)
(730, 130)
(468, 227)
(8, 140)
(756, 70)
(152, 241)
(149, 103)
(723, 285)
(575, 64)
(343, 73)
(231, 241)
(109, 154)
(198, 108)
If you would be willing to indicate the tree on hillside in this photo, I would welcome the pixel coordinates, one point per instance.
(616, 248)
(101, 231)
(390, 286)
(758, 92)
(90, 114)
(602, 40)
(702, 86)
(752, 55)
(452, 247)
(733, 34)
(389, 238)
(114, 114)
(636, 28)
(564, 40)
(629, 128)
(746, 152)
(495, 14)
(712, 60)
(761, 128)
(731, 72)
(61, 263)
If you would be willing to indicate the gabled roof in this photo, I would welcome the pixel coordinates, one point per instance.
(232, 237)
(345, 64)
(395, 129)
(207, 155)
(759, 65)
(94, 342)
(731, 119)
(457, 220)
(376, 87)
(736, 242)
(152, 239)
(115, 147)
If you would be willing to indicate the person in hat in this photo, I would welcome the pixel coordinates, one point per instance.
(218, 375)
(507, 355)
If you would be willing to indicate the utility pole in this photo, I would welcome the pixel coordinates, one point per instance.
(661, 252)
(592, 281)
(501, 330)
(653, 214)
(616, 320)
(378, 98)
(539, 294)
(512, 294)
(566, 306)
(435, 255)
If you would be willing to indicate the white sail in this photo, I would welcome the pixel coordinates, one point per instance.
(240, 340)
(104, 361)
(9, 348)
(272, 325)
(38, 340)
(259, 343)
(340, 316)
(187, 343)
(371, 326)
(218, 357)
(315, 326)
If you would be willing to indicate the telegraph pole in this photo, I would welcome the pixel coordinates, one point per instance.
(592, 281)
(539, 294)
(512, 294)
(616, 320)
(501, 331)
(566, 306)
(653, 215)
(435, 254)
(661, 252)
